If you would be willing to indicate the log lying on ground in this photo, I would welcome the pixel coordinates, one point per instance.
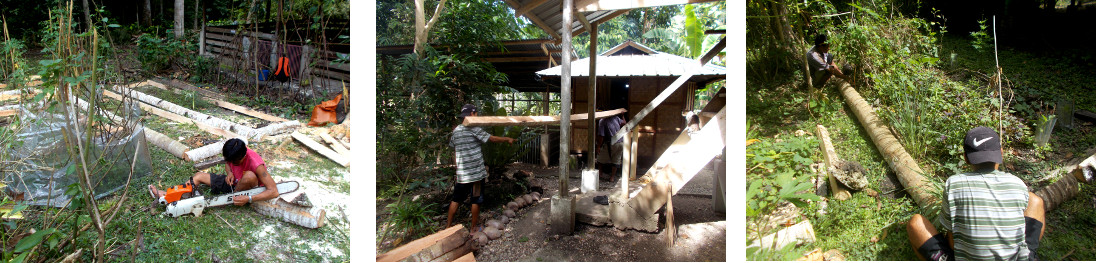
(210, 150)
(210, 162)
(532, 120)
(171, 146)
(323, 150)
(803, 232)
(302, 216)
(176, 117)
(909, 173)
(446, 245)
(194, 115)
(1067, 186)
(215, 99)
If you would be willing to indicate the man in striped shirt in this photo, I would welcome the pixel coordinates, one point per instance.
(987, 214)
(471, 172)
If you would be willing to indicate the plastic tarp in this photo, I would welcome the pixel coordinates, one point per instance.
(42, 161)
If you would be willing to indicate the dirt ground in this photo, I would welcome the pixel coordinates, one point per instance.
(702, 232)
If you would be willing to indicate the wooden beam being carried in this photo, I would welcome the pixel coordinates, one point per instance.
(516, 59)
(451, 241)
(601, 5)
(323, 150)
(532, 120)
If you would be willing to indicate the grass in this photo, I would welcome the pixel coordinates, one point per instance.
(873, 228)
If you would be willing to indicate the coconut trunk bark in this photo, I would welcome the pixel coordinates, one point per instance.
(909, 173)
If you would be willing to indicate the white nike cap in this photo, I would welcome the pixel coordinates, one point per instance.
(982, 145)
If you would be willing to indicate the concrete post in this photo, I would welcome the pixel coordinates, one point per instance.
(591, 175)
(274, 54)
(719, 187)
(563, 212)
(305, 69)
(626, 165)
(202, 41)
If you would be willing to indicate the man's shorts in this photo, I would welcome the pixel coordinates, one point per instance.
(614, 155)
(937, 248)
(218, 185)
(462, 192)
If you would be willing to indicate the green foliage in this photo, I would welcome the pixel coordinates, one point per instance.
(412, 217)
(157, 54)
(417, 104)
(778, 173)
(981, 40)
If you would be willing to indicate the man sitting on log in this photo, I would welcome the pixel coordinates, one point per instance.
(987, 214)
(246, 171)
(820, 63)
(471, 172)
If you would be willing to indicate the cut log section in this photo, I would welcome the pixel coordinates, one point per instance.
(319, 148)
(177, 118)
(838, 191)
(532, 120)
(447, 245)
(205, 164)
(171, 146)
(1068, 185)
(210, 150)
(909, 173)
(335, 144)
(803, 232)
(194, 115)
(302, 216)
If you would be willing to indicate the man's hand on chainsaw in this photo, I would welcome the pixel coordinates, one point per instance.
(240, 200)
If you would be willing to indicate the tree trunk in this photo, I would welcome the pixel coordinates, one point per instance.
(171, 146)
(87, 14)
(422, 27)
(195, 15)
(147, 19)
(196, 116)
(180, 8)
(250, 9)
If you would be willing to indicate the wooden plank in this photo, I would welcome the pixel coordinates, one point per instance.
(837, 191)
(1085, 115)
(466, 258)
(454, 254)
(210, 162)
(715, 50)
(800, 232)
(403, 252)
(212, 97)
(335, 144)
(330, 74)
(532, 120)
(319, 148)
(221, 30)
(11, 112)
(516, 59)
(176, 117)
(602, 5)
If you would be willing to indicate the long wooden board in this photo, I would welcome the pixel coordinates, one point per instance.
(837, 191)
(432, 246)
(533, 120)
(335, 144)
(323, 150)
(220, 103)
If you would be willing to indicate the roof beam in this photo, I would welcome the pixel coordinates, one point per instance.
(602, 5)
(518, 59)
(715, 50)
(536, 21)
(528, 7)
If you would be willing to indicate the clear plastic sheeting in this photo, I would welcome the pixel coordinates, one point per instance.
(43, 167)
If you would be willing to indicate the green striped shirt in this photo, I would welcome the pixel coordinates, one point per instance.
(467, 142)
(985, 213)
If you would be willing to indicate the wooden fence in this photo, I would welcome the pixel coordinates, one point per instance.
(252, 52)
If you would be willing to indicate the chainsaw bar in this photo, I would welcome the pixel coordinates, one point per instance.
(197, 204)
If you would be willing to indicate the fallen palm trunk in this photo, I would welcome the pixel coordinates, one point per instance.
(171, 146)
(209, 150)
(298, 215)
(1067, 187)
(909, 173)
(197, 116)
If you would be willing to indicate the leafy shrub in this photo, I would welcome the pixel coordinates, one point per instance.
(411, 217)
(157, 54)
(778, 172)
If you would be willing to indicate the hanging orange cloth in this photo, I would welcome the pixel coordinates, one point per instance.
(282, 74)
(325, 112)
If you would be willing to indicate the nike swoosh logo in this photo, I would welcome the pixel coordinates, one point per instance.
(979, 143)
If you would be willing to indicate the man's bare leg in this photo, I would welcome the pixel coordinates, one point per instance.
(920, 229)
(198, 178)
(452, 212)
(1036, 210)
(248, 181)
(476, 194)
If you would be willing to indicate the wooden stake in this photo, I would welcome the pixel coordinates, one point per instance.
(837, 190)
(319, 148)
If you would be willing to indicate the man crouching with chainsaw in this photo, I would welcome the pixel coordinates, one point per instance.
(246, 171)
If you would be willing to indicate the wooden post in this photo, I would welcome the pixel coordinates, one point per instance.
(274, 53)
(591, 100)
(565, 100)
(634, 153)
(626, 166)
(202, 41)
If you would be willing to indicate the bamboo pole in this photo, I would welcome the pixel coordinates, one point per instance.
(909, 173)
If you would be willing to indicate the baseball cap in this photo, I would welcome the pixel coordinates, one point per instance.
(982, 145)
(468, 109)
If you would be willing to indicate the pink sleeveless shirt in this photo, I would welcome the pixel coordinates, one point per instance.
(251, 161)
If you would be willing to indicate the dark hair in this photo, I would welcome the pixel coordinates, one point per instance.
(820, 39)
(234, 149)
